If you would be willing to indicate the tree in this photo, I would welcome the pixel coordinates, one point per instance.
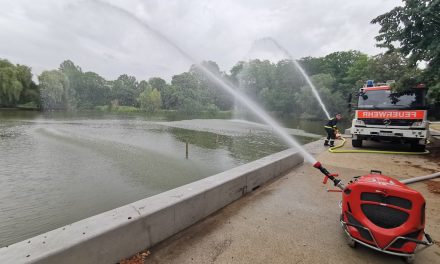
(10, 85)
(236, 70)
(75, 76)
(125, 90)
(255, 76)
(54, 86)
(358, 73)
(30, 92)
(158, 84)
(210, 92)
(312, 65)
(187, 93)
(167, 95)
(150, 100)
(337, 64)
(285, 83)
(415, 26)
(94, 91)
(16, 85)
(333, 100)
(388, 66)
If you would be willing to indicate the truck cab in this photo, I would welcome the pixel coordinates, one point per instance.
(386, 115)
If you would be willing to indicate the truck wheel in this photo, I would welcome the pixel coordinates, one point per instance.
(418, 147)
(356, 143)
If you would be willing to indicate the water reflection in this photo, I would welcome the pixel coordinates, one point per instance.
(57, 168)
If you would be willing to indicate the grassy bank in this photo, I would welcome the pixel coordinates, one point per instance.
(163, 112)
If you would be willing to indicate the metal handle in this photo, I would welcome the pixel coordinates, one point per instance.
(428, 237)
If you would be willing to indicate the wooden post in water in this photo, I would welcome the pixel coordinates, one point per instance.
(186, 150)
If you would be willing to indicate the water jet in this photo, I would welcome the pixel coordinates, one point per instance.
(228, 87)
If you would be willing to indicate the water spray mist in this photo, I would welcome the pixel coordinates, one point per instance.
(231, 89)
(303, 73)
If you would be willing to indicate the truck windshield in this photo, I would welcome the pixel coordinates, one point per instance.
(386, 99)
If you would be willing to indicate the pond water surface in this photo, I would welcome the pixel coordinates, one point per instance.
(58, 168)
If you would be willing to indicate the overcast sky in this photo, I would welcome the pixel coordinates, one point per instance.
(43, 33)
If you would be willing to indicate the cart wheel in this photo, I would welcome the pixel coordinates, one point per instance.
(410, 259)
(351, 242)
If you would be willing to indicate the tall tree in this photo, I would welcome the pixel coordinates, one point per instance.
(125, 90)
(337, 64)
(150, 100)
(387, 66)
(211, 92)
(54, 86)
(312, 65)
(415, 27)
(94, 90)
(158, 83)
(188, 95)
(30, 92)
(75, 76)
(10, 84)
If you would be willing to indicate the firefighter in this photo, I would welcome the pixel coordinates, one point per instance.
(331, 130)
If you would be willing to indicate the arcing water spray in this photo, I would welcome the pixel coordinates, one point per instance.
(377, 211)
(231, 89)
(302, 71)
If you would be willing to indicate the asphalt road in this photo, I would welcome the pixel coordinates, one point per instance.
(294, 220)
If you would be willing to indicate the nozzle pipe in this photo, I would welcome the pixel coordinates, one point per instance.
(338, 183)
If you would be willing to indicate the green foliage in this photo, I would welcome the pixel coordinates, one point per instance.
(188, 93)
(388, 66)
(74, 76)
(210, 91)
(280, 87)
(169, 97)
(125, 109)
(158, 84)
(16, 85)
(125, 90)
(10, 86)
(54, 87)
(212, 109)
(28, 106)
(150, 100)
(334, 101)
(338, 64)
(415, 28)
(312, 65)
(94, 90)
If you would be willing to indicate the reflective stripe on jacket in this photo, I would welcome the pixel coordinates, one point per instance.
(332, 123)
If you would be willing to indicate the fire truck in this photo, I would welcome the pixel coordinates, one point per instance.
(394, 116)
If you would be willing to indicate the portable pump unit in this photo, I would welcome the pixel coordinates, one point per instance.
(381, 213)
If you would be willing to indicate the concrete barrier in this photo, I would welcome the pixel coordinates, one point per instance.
(120, 233)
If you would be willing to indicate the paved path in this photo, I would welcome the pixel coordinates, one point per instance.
(293, 220)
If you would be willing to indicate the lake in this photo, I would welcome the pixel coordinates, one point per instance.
(57, 168)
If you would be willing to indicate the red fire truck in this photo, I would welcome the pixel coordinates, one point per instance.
(386, 115)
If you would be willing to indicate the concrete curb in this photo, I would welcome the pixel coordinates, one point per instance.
(124, 231)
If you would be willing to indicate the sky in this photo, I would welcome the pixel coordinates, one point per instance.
(110, 42)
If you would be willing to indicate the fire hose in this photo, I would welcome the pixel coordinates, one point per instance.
(338, 183)
(336, 149)
(421, 178)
